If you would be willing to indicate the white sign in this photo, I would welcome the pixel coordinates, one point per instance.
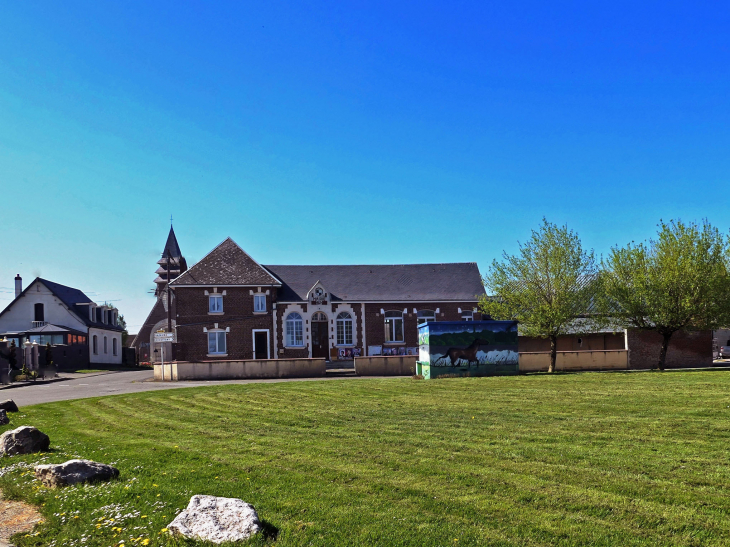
(165, 337)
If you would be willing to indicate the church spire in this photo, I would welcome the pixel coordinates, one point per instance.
(177, 263)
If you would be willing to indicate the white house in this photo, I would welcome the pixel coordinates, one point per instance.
(50, 312)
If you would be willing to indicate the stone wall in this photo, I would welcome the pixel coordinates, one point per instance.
(402, 365)
(575, 360)
(238, 370)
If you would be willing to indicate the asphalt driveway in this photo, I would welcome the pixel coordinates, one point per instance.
(81, 386)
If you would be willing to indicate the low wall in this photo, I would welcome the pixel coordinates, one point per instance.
(238, 370)
(615, 359)
(393, 365)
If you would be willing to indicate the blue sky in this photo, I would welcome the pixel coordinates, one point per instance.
(349, 132)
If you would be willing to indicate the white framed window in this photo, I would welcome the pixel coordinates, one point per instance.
(259, 303)
(424, 316)
(393, 326)
(215, 303)
(114, 346)
(105, 346)
(344, 329)
(216, 342)
(294, 330)
(467, 315)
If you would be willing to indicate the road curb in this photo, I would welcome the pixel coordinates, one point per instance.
(41, 383)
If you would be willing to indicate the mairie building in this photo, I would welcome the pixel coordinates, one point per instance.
(229, 307)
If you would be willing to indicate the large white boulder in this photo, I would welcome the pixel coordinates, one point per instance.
(74, 472)
(209, 518)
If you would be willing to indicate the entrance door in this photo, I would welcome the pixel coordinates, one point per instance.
(261, 345)
(320, 337)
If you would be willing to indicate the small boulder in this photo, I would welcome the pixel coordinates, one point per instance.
(4, 420)
(74, 472)
(9, 405)
(209, 518)
(23, 440)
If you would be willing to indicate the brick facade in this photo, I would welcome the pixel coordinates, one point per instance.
(686, 349)
(375, 322)
(238, 317)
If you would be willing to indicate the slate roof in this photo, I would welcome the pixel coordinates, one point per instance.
(400, 282)
(70, 297)
(171, 245)
(227, 264)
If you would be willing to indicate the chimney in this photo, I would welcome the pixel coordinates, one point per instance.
(18, 285)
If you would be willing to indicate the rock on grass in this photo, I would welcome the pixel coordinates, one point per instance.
(209, 518)
(23, 440)
(9, 405)
(74, 472)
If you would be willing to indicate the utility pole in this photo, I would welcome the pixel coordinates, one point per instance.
(169, 298)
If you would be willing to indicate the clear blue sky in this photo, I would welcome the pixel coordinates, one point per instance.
(349, 132)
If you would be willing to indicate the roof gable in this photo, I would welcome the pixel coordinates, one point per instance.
(227, 264)
(399, 282)
(72, 298)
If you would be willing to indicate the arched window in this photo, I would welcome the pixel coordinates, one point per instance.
(424, 316)
(393, 326)
(294, 330)
(114, 346)
(105, 349)
(344, 329)
(319, 316)
(95, 345)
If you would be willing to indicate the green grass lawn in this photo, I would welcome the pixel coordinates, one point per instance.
(575, 459)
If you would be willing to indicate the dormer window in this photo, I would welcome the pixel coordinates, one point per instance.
(215, 303)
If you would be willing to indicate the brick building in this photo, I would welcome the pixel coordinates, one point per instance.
(228, 306)
(642, 347)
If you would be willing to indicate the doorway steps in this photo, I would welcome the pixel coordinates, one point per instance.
(340, 368)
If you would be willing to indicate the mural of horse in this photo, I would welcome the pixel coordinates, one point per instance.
(469, 353)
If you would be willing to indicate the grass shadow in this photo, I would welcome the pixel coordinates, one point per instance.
(269, 531)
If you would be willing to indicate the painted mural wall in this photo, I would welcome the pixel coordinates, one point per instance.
(468, 348)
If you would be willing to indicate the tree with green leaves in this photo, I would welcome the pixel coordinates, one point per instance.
(545, 287)
(49, 355)
(12, 358)
(122, 323)
(677, 282)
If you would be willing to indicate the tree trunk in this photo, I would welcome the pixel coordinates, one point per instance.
(553, 352)
(663, 353)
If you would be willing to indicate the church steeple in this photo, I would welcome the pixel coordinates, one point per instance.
(177, 263)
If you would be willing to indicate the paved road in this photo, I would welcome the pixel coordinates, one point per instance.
(80, 386)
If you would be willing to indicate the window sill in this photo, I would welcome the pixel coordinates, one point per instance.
(215, 313)
(260, 312)
(345, 346)
(295, 347)
(394, 343)
(217, 355)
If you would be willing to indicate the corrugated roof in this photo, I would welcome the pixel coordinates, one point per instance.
(399, 282)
